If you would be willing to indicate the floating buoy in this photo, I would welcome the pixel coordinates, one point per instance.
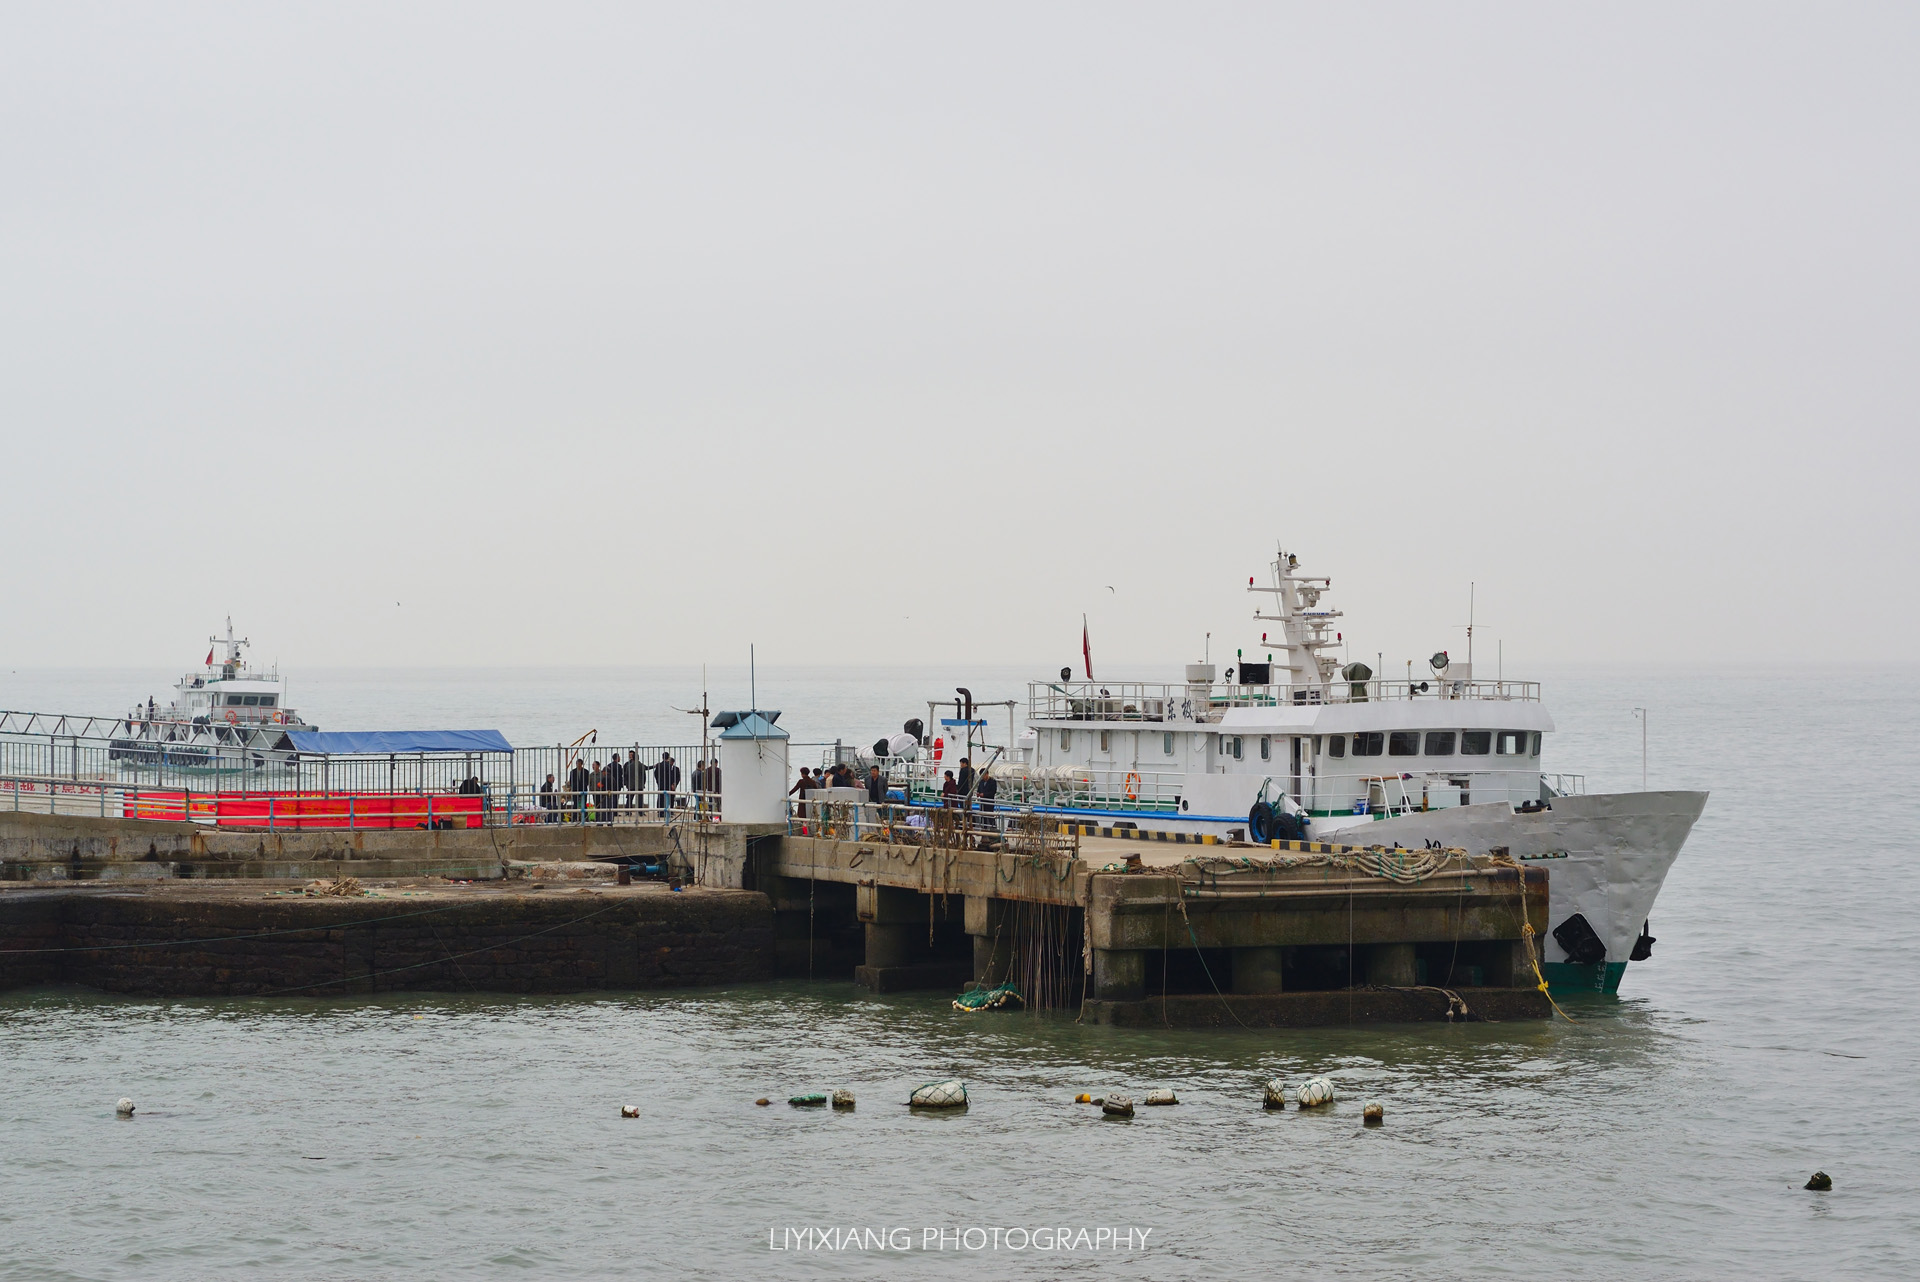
(1117, 1106)
(1165, 1096)
(629, 1110)
(843, 1099)
(1315, 1092)
(1373, 1114)
(1820, 1182)
(1083, 1098)
(815, 1100)
(951, 1093)
(124, 1108)
(763, 1101)
(1276, 1094)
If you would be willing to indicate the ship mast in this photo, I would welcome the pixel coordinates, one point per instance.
(1303, 629)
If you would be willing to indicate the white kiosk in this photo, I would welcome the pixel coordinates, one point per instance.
(753, 768)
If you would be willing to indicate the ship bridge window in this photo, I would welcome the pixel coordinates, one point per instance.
(1369, 743)
(1336, 745)
(1166, 744)
(235, 700)
(1439, 743)
(1476, 743)
(1513, 743)
(1403, 743)
(267, 700)
(1536, 743)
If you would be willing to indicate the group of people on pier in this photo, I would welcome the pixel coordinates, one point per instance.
(628, 790)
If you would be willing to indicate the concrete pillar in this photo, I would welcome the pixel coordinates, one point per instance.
(1256, 970)
(1389, 965)
(987, 922)
(991, 959)
(1119, 975)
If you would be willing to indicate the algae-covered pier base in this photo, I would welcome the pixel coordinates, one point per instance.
(1125, 932)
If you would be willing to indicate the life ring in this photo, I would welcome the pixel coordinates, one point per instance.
(233, 718)
(1131, 786)
(279, 717)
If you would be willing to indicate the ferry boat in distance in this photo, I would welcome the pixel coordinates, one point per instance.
(1294, 745)
(228, 715)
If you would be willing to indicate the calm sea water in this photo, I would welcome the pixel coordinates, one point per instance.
(1666, 1134)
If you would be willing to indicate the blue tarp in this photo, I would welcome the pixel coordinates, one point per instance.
(382, 742)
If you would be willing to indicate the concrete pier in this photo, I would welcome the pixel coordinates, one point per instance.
(1243, 936)
(1164, 939)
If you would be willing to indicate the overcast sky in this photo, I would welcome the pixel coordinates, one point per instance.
(888, 333)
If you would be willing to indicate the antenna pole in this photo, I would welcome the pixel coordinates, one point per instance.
(1470, 588)
(1642, 714)
(753, 681)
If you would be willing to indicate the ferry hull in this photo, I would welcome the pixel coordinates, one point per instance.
(1607, 855)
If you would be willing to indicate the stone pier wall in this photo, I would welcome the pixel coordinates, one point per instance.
(208, 941)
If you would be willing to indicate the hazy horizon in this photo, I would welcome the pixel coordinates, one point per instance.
(429, 334)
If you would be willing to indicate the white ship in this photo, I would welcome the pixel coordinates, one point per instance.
(1292, 744)
(229, 715)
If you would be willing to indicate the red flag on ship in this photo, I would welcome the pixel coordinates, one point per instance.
(209, 662)
(1086, 646)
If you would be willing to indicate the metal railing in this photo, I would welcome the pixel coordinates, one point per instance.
(492, 805)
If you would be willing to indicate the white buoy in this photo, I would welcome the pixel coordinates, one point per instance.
(629, 1110)
(1373, 1114)
(1276, 1094)
(948, 1094)
(843, 1099)
(124, 1108)
(1315, 1092)
(1163, 1096)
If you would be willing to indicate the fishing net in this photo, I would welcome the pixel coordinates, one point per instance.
(1006, 994)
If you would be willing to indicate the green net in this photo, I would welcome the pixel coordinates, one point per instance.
(989, 998)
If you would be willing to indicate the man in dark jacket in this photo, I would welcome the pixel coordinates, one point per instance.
(876, 785)
(966, 778)
(666, 776)
(577, 780)
(549, 802)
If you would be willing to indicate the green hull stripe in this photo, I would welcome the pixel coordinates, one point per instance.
(1568, 978)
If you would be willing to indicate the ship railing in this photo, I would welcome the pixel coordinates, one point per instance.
(995, 824)
(1155, 701)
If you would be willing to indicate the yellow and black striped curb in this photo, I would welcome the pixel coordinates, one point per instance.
(1140, 834)
(1314, 847)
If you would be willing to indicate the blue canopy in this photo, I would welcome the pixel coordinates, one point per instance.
(383, 742)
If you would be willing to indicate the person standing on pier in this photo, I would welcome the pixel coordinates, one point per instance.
(713, 783)
(666, 776)
(805, 786)
(966, 778)
(632, 782)
(577, 780)
(549, 802)
(988, 788)
(949, 791)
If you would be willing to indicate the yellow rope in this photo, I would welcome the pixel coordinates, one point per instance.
(1526, 936)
